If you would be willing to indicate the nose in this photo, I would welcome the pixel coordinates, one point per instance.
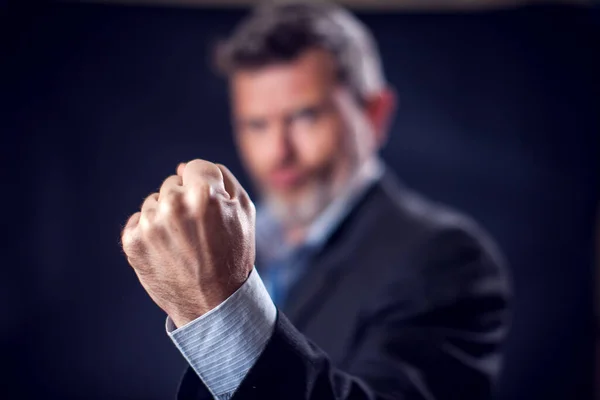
(280, 145)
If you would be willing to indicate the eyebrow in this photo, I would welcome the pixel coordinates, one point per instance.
(320, 106)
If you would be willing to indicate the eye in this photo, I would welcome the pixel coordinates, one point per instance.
(307, 115)
(254, 125)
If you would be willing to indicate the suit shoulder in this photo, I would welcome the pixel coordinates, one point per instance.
(434, 226)
(430, 255)
(431, 245)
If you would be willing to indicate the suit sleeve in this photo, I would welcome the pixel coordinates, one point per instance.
(435, 338)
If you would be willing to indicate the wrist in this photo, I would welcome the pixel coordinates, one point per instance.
(183, 314)
(179, 321)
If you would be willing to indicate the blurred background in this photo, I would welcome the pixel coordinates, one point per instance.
(499, 116)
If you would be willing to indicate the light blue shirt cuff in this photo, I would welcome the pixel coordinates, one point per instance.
(223, 344)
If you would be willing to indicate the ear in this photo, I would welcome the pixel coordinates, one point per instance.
(381, 108)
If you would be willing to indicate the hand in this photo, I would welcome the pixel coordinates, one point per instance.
(192, 244)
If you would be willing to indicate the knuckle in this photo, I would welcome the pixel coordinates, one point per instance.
(153, 232)
(171, 180)
(246, 202)
(199, 163)
(151, 197)
(198, 192)
(206, 168)
(149, 201)
(251, 208)
(172, 204)
(146, 223)
(130, 242)
(167, 208)
(129, 232)
(131, 221)
(197, 210)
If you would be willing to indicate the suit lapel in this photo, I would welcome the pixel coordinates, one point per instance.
(311, 289)
(330, 264)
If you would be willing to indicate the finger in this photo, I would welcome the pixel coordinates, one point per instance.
(171, 204)
(201, 169)
(149, 206)
(180, 169)
(131, 224)
(202, 173)
(232, 185)
(172, 183)
(128, 233)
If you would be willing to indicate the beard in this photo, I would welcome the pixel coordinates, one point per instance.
(303, 209)
(306, 206)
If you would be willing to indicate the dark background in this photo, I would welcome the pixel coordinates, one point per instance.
(499, 116)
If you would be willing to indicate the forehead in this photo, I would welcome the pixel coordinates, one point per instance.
(283, 87)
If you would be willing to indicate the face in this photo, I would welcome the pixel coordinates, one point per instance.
(300, 135)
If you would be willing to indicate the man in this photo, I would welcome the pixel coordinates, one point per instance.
(373, 292)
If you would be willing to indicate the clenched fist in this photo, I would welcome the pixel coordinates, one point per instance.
(192, 244)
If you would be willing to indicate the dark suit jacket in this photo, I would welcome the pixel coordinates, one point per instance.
(408, 300)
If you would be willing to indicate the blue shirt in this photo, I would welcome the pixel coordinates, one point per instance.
(223, 344)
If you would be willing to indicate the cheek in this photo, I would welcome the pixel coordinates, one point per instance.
(252, 154)
(320, 145)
